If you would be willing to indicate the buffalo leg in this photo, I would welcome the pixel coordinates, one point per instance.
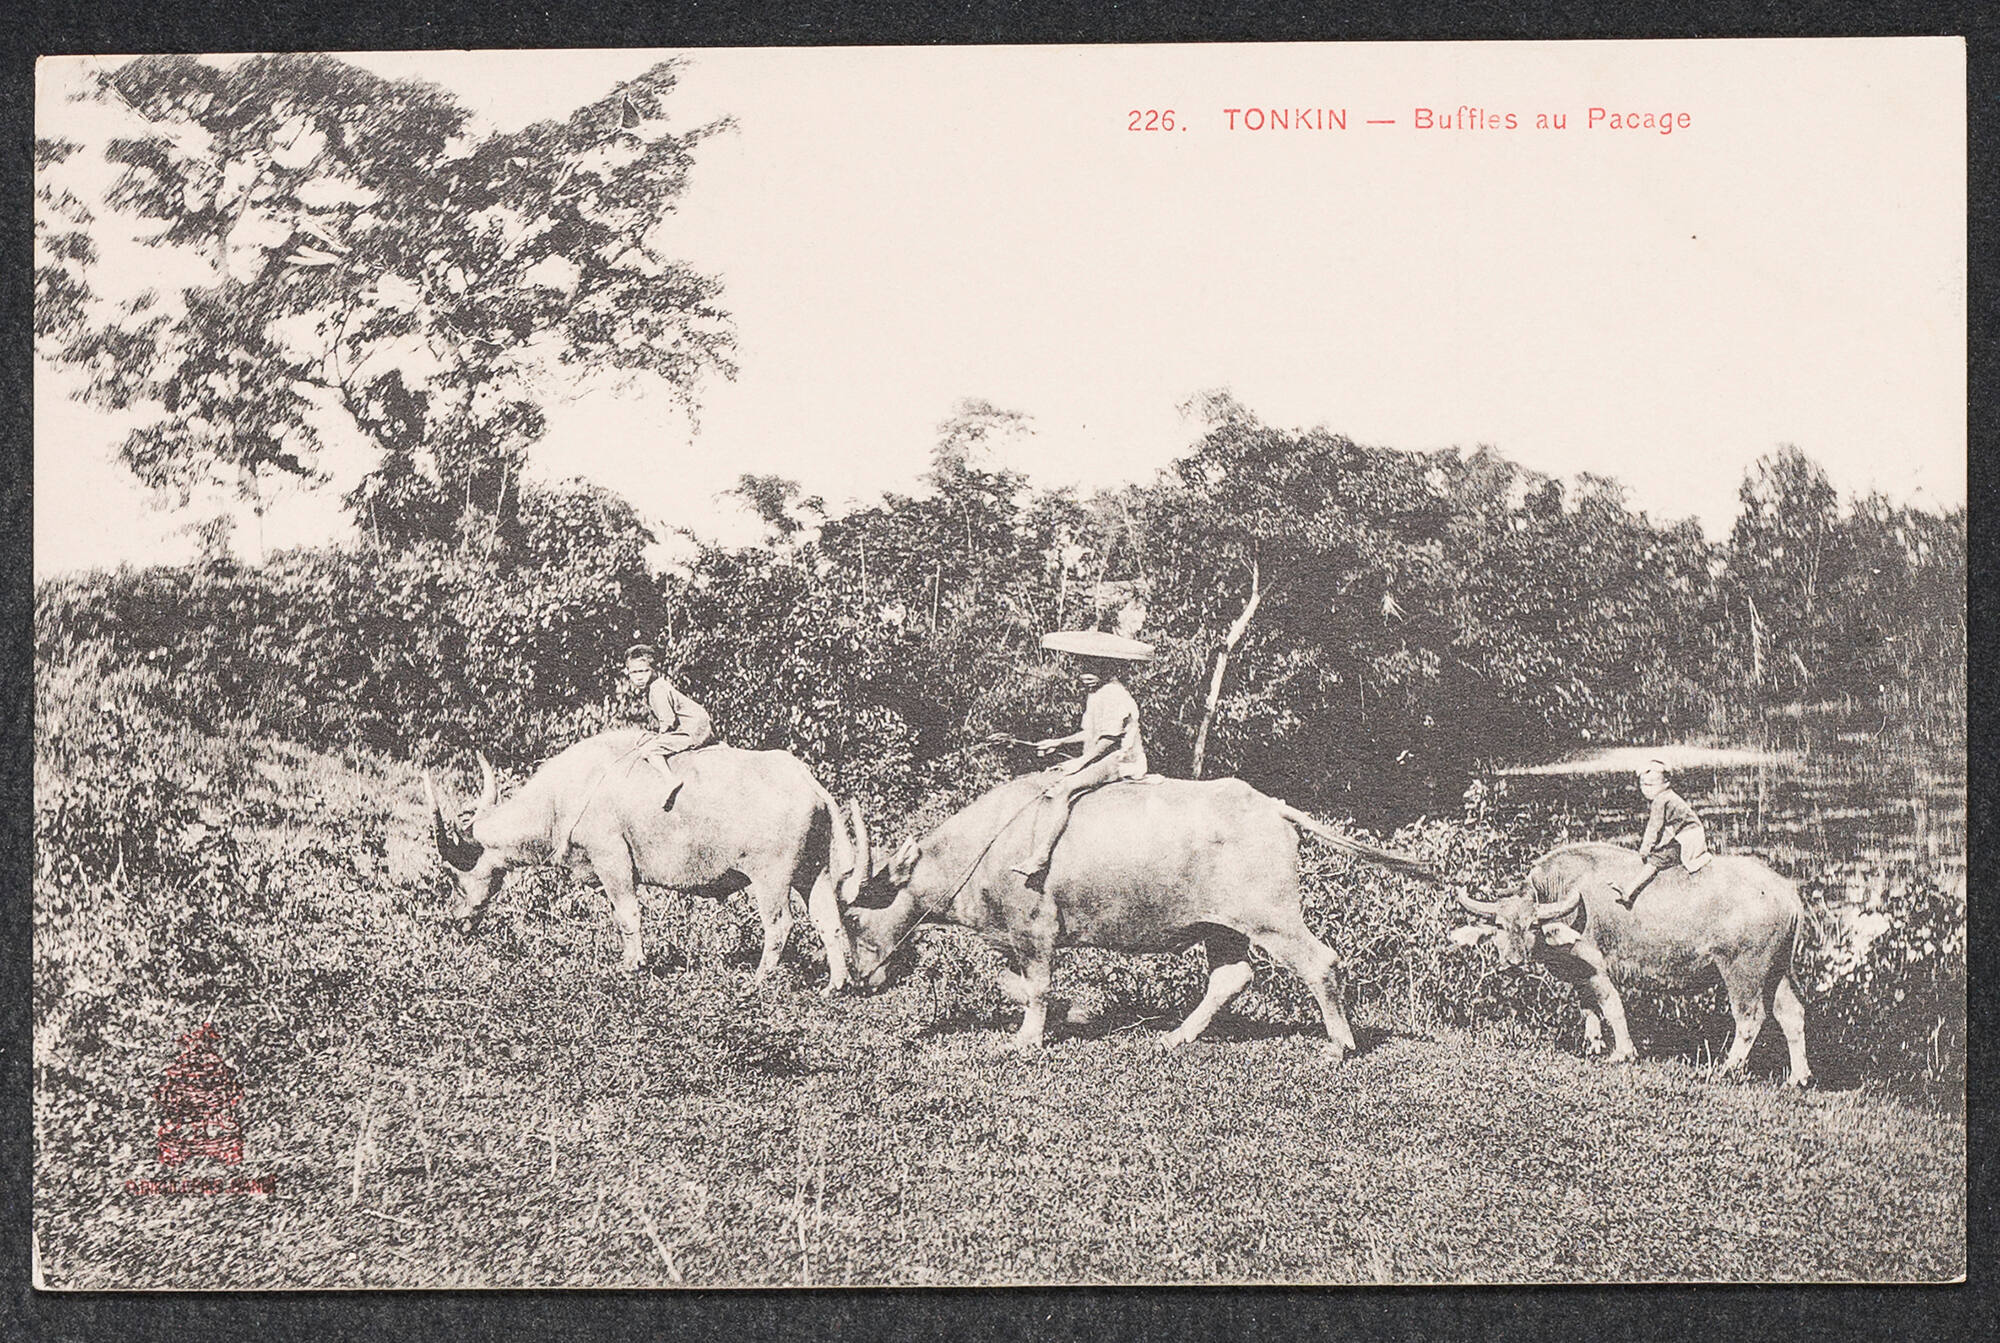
(774, 906)
(1601, 999)
(824, 908)
(1791, 1015)
(1031, 949)
(1030, 988)
(1228, 974)
(1746, 1005)
(1583, 967)
(1313, 961)
(1593, 1031)
(621, 884)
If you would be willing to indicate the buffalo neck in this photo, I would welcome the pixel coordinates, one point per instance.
(888, 925)
(964, 850)
(519, 826)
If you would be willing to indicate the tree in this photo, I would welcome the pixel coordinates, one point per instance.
(64, 251)
(1303, 556)
(1787, 555)
(777, 503)
(371, 260)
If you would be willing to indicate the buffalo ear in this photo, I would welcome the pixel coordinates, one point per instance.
(904, 862)
(1561, 935)
(1472, 934)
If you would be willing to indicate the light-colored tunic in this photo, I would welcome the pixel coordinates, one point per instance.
(1112, 712)
(1673, 821)
(681, 724)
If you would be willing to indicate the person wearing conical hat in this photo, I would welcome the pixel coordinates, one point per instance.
(1674, 833)
(1112, 748)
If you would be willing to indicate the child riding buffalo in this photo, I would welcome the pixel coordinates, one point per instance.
(1674, 833)
(679, 723)
(1109, 736)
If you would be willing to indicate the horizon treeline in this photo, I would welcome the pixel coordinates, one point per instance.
(1388, 622)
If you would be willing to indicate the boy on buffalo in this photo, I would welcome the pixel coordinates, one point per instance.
(679, 723)
(1674, 834)
(1109, 735)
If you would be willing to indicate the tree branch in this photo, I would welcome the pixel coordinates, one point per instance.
(1229, 644)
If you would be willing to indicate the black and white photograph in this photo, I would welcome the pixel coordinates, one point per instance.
(1312, 664)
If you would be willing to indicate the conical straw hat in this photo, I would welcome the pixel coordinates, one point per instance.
(1097, 644)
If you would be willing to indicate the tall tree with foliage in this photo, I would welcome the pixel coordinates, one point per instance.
(1787, 558)
(372, 260)
(1320, 542)
(1863, 599)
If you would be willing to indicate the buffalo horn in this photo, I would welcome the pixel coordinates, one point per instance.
(461, 854)
(1485, 909)
(1557, 909)
(489, 784)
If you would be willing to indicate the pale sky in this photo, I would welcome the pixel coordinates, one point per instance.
(900, 228)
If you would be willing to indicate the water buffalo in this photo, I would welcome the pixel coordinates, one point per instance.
(1145, 866)
(755, 818)
(1736, 917)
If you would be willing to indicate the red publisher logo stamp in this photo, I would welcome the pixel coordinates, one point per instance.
(199, 1098)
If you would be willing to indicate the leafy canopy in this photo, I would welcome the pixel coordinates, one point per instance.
(369, 260)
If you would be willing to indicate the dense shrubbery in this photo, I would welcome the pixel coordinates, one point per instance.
(142, 892)
(1418, 614)
(1886, 982)
(434, 647)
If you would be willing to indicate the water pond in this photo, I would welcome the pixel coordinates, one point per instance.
(1845, 822)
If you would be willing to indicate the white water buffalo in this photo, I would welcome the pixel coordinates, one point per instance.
(1148, 866)
(755, 818)
(1736, 918)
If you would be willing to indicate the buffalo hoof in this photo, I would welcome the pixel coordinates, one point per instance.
(1174, 1040)
(1595, 1048)
(1622, 1056)
(1799, 1081)
(1335, 1052)
(1018, 1046)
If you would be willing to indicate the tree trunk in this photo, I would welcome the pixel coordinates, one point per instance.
(1756, 644)
(1235, 637)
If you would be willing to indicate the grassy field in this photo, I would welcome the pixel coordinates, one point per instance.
(509, 1110)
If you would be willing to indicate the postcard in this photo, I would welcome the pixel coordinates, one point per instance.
(1315, 664)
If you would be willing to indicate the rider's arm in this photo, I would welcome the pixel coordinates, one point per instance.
(693, 720)
(1093, 753)
(1654, 820)
(664, 704)
(1104, 725)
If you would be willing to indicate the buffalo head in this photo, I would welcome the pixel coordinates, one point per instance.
(477, 868)
(1519, 924)
(873, 899)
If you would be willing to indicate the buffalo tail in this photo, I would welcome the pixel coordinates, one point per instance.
(840, 845)
(1389, 858)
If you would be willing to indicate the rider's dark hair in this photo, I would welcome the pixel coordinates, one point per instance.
(646, 652)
